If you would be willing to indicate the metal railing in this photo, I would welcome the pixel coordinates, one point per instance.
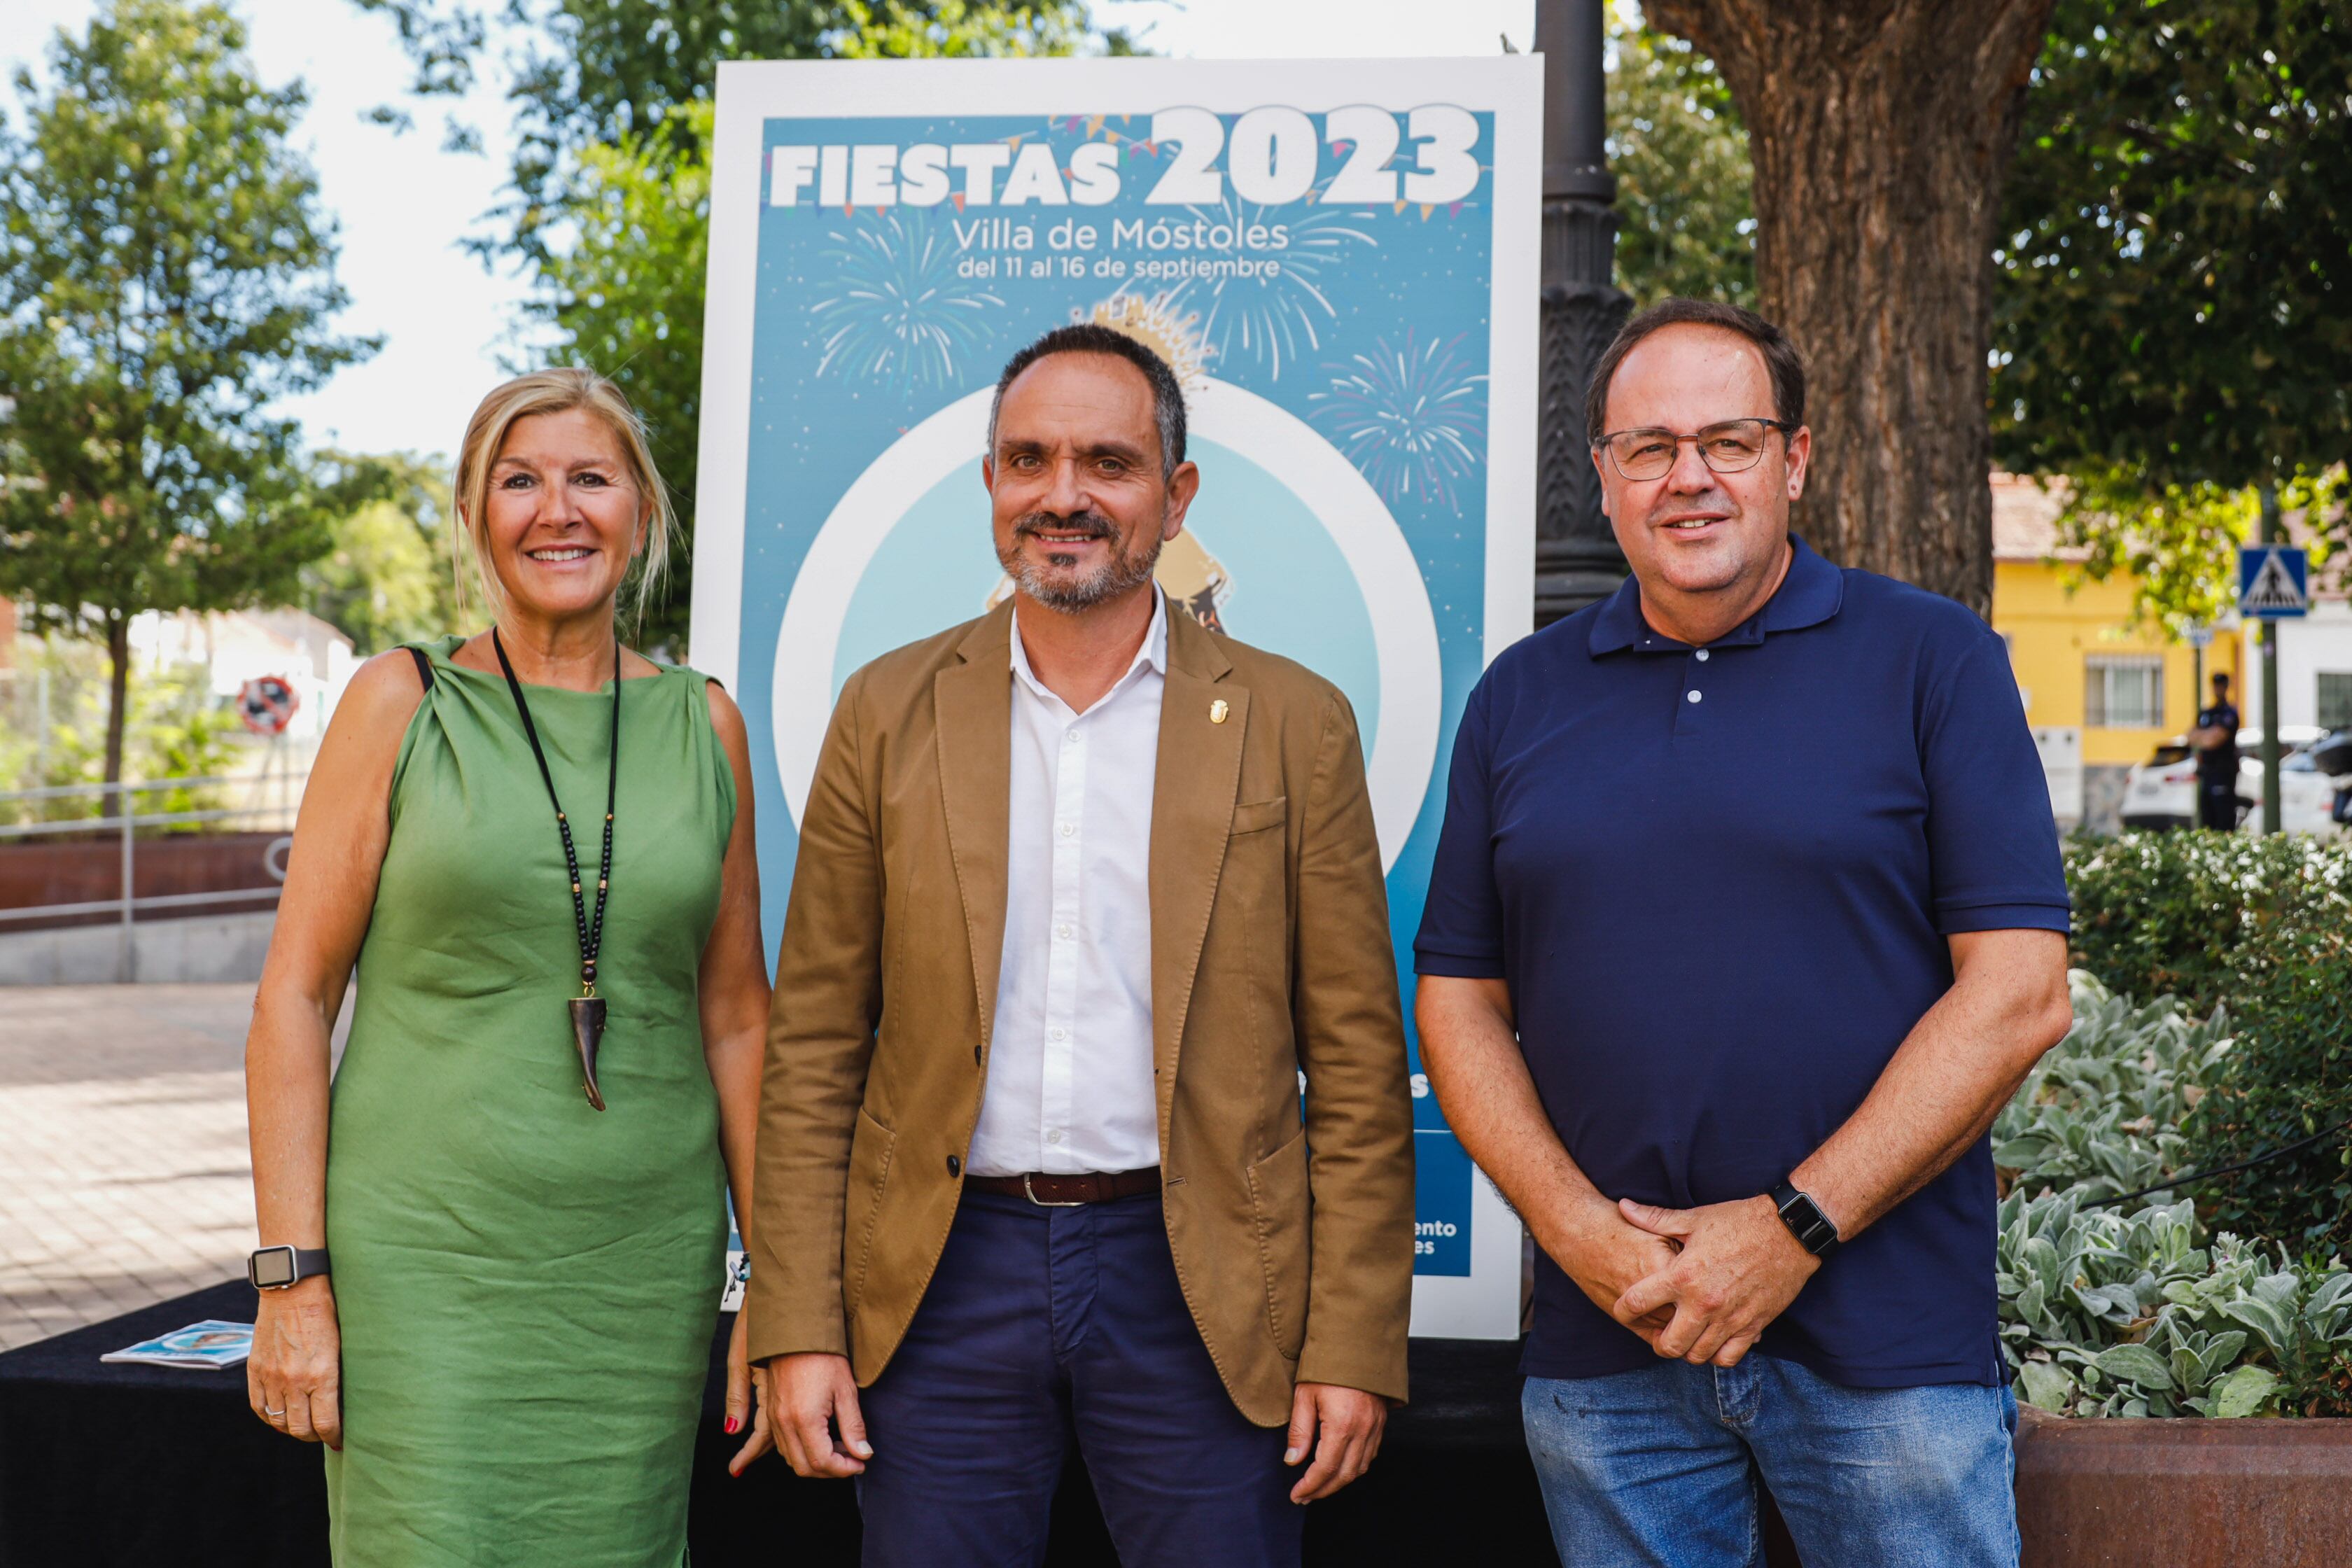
(273, 796)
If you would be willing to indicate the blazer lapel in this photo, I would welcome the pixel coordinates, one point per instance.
(973, 702)
(1195, 783)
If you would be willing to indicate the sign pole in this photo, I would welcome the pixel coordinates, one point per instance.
(2271, 813)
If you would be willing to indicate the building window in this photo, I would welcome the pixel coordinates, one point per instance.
(2335, 698)
(2123, 692)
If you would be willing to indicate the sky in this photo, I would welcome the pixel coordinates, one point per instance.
(401, 205)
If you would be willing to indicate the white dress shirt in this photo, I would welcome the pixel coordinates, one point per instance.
(1070, 1066)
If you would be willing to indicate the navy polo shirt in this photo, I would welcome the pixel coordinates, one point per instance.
(1718, 882)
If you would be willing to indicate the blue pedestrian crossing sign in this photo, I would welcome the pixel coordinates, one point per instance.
(2273, 582)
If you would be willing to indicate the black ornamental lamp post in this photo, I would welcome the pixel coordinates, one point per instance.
(1577, 558)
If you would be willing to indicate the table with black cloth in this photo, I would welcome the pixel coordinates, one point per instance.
(162, 1467)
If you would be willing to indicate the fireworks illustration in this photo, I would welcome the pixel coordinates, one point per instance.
(1274, 318)
(1411, 418)
(900, 317)
(1155, 322)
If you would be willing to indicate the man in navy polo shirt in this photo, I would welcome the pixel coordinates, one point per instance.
(1746, 918)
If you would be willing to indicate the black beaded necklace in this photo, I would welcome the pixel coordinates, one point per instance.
(587, 1008)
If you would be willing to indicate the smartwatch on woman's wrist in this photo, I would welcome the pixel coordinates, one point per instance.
(276, 1268)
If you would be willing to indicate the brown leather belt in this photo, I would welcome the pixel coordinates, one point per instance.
(1069, 1192)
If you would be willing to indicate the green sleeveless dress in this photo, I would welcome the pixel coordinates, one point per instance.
(527, 1287)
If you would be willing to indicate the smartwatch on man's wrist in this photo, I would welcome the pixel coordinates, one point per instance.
(1805, 1220)
(277, 1268)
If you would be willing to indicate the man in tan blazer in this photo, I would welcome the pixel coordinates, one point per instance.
(1083, 891)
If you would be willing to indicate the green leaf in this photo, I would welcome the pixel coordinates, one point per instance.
(2242, 1392)
(2265, 1320)
(2043, 1258)
(2029, 1304)
(2045, 1386)
(2222, 1351)
(2135, 1364)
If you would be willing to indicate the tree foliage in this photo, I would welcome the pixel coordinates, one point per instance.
(2176, 283)
(2178, 541)
(2174, 291)
(601, 72)
(625, 297)
(165, 277)
(387, 577)
(1684, 187)
(53, 726)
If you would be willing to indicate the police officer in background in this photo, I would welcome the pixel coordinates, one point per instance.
(2215, 741)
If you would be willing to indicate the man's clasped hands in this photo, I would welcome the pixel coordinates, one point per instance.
(1699, 1285)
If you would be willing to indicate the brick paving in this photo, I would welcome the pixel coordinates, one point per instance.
(124, 1175)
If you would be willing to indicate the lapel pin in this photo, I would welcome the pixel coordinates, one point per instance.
(1217, 711)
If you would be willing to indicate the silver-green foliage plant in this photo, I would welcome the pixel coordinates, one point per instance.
(2107, 1312)
(2101, 1112)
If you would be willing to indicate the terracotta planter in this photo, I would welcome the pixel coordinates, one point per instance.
(84, 869)
(2184, 1493)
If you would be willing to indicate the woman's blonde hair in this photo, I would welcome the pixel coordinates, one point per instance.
(553, 392)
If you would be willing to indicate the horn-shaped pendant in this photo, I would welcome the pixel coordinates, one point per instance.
(588, 1030)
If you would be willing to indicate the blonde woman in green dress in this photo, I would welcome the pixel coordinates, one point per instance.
(503, 1221)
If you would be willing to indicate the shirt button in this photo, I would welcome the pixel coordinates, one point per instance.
(1063, 931)
(1691, 697)
(1068, 828)
(1702, 656)
(1055, 1136)
(1057, 1033)
(1069, 737)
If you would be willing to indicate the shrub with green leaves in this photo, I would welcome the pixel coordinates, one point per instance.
(2104, 1314)
(2128, 1312)
(2101, 1112)
(2263, 928)
(2180, 914)
(2288, 1078)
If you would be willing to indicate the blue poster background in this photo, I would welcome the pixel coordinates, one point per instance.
(1375, 332)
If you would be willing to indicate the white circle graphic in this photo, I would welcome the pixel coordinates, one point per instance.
(1404, 629)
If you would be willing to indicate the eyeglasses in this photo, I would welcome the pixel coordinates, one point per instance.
(1730, 447)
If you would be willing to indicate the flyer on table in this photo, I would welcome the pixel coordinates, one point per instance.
(1338, 258)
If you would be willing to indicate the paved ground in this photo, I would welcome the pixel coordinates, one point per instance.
(124, 1177)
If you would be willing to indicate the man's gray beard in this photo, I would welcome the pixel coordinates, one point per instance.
(1121, 574)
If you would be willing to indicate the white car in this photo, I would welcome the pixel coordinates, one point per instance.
(2161, 791)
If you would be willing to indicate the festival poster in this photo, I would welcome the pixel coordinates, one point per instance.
(1340, 261)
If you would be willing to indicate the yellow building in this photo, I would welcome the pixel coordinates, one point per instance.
(2097, 683)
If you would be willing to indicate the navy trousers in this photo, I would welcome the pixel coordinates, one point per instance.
(2217, 804)
(1043, 1326)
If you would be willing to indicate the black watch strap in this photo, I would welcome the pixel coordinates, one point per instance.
(276, 1268)
(1805, 1220)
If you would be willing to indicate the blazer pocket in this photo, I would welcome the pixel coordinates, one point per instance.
(1283, 1207)
(1260, 814)
(870, 1147)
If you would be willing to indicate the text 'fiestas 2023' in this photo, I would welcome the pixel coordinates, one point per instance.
(1272, 155)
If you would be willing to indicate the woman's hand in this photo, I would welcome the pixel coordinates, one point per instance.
(294, 1379)
(747, 1400)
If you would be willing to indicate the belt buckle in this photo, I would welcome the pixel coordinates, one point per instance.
(1031, 1193)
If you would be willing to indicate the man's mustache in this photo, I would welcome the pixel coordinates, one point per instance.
(1093, 524)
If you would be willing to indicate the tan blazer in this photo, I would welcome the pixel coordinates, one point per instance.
(1270, 955)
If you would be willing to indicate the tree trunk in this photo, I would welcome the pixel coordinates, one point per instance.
(117, 694)
(1880, 134)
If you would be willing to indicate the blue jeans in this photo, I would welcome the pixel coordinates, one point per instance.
(1041, 1327)
(1658, 1467)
